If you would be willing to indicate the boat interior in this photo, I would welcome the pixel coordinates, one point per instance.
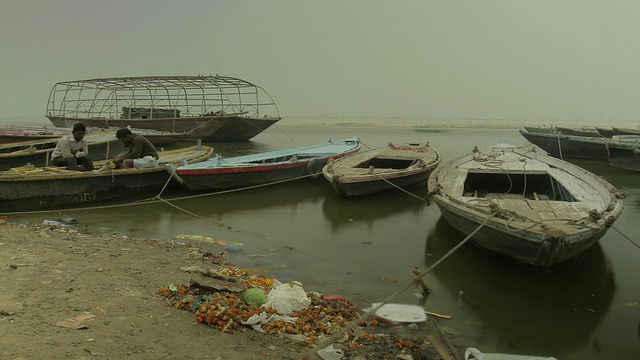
(515, 185)
(385, 163)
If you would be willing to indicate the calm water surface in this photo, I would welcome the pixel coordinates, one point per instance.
(364, 249)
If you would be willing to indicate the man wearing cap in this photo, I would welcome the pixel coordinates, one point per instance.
(72, 151)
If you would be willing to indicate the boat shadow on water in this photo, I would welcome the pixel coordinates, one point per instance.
(342, 212)
(522, 305)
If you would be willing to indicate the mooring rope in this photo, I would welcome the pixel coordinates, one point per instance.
(350, 326)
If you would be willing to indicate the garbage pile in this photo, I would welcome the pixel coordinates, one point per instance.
(264, 304)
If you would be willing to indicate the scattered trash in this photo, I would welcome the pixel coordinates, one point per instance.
(254, 296)
(55, 223)
(77, 322)
(287, 298)
(475, 354)
(233, 248)
(398, 314)
(330, 353)
(256, 321)
(5, 312)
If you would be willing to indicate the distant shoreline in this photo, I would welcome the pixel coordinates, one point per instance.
(393, 122)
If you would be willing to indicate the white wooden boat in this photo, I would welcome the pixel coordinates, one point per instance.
(538, 209)
(382, 169)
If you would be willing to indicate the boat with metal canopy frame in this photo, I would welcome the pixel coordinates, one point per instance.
(208, 107)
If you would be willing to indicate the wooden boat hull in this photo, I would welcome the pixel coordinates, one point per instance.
(565, 146)
(261, 169)
(382, 169)
(35, 188)
(38, 153)
(207, 128)
(541, 129)
(533, 249)
(579, 132)
(625, 157)
(527, 206)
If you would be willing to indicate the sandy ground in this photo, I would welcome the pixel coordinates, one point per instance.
(52, 277)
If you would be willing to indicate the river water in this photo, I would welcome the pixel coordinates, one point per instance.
(364, 249)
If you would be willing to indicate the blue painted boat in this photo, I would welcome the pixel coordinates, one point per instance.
(264, 168)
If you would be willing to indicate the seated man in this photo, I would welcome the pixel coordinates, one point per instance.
(72, 151)
(138, 152)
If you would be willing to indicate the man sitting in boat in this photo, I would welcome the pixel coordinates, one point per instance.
(72, 151)
(138, 152)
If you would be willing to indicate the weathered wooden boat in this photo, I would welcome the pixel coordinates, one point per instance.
(625, 155)
(625, 131)
(264, 168)
(579, 147)
(30, 188)
(567, 146)
(212, 108)
(541, 129)
(585, 131)
(38, 152)
(605, 132)
(13, 134)
(525, 205)
(382, 169)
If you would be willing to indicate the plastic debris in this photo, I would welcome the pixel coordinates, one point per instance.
(53, 222)
(77, 322)
(233, 247)
(400, 313)
(256, 321)
(330, 353)
(287, 298)
(475, 354)
(254, 296)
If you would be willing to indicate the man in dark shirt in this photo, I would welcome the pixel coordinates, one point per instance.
(138, 152)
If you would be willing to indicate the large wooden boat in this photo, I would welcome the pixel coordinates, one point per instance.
(212, 108)
(382, 169)
(527, 205)
(264, 168)
(38, 152)
(30, 188)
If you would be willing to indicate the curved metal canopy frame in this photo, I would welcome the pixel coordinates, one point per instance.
(171, 96)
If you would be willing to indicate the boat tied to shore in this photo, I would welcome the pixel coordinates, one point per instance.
(524, 204)
(207, 107)
(382, 169)
(221, 173)
(29, 187)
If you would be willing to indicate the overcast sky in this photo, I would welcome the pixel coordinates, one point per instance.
(537, 59)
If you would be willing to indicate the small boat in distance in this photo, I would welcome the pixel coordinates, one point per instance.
(381, 169)
(264, 168)
(533, 208)
(28, 187)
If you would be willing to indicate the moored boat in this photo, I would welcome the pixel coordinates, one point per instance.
(29, 187)
(579, 131)
(38, 152)
(525, 205)
(625, 155)
(579, 147)
(212, 108)
(264, 168)
(15, 134)
(382, 169)
(541, 129)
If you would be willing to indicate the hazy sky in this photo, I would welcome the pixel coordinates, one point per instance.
(536, 59)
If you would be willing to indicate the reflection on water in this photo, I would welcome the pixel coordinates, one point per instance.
(342, 212)
(520, 304)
